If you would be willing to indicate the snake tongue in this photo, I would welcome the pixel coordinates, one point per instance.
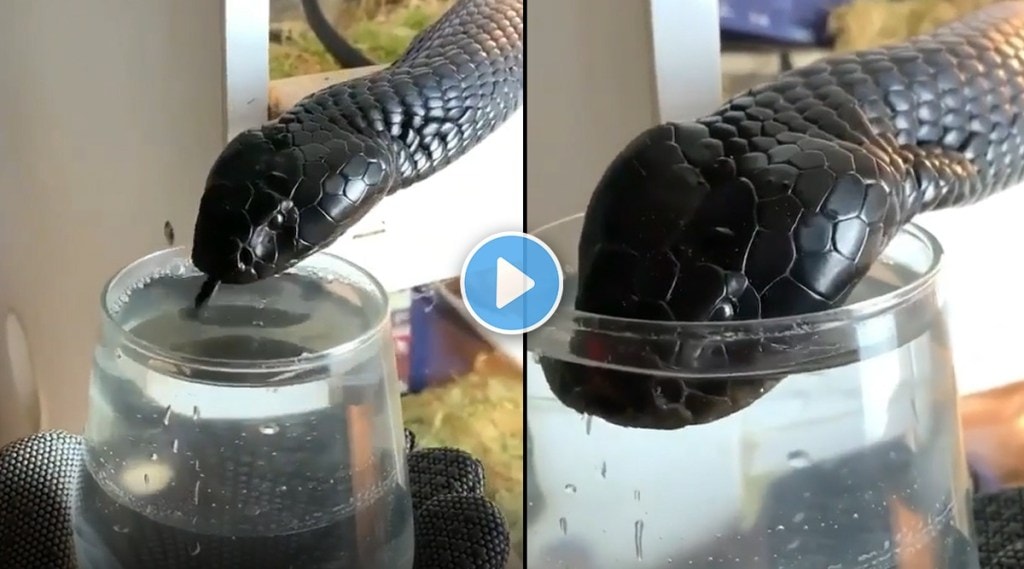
(206, 292)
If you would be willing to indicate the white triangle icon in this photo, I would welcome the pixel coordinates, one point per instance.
(512, 283)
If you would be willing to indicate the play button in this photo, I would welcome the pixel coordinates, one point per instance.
(511, 283)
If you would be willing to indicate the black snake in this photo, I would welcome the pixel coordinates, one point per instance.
(779, 202)
(283, 191)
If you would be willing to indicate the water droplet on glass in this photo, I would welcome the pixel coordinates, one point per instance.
(252, 510)
(780, 528)
(167, 416)
(589, 423)
(269, 429)
(195, 493)
(604, 469)
(195, 413)
(118, 353)
(638, 539)
(195, 549)
(153, 457)
(563, 524)
(122, 529)
(145, 479)
(570, 488)
(636, 495)
(174, 446)
(197, 465)
(798, 459)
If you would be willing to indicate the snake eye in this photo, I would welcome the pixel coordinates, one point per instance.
(245, 258)
(724, 312)
(276, 221)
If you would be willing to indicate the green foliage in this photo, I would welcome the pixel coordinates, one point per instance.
(301, 54)
(382, 38)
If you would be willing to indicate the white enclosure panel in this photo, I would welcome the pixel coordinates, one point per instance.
(982, 279)
(111, 113)
(599, 73)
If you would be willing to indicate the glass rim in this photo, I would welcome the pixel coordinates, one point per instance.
(297, 363)
(865, 309)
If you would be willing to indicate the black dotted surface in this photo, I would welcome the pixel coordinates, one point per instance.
(461, 532)
(38, 476)
(999, 522)
(438, 472)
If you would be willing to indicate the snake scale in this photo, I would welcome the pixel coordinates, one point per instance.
(283, 191)
(778, 203)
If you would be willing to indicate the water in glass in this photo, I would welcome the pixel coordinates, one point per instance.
(207, 465)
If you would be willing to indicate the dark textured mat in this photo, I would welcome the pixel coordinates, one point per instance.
(999, 523)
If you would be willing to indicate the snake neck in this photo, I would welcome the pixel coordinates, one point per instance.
(950, 104)
(451, 89)
(464, 101)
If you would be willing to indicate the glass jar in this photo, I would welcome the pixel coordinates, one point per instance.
(263, 430)
(848, 457)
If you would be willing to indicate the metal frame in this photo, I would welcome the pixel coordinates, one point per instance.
(246, 72)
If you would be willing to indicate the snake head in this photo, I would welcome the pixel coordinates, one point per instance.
(270, 203)
(246, 229)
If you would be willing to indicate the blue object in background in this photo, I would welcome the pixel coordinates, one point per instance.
(430, 356)
(800, 22)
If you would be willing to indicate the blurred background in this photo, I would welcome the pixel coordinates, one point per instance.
(380, 29)
(794, 32)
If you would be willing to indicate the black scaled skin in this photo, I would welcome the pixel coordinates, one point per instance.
(454, 524)
(284, 191)
(780, 202)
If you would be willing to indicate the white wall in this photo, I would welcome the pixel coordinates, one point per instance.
(602, 72)
(111, 112)
(982, 281)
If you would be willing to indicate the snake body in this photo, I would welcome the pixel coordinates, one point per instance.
(779, 203)
(283, 191)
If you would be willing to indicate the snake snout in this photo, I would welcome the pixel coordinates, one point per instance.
(237, 233)
(221, 228)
